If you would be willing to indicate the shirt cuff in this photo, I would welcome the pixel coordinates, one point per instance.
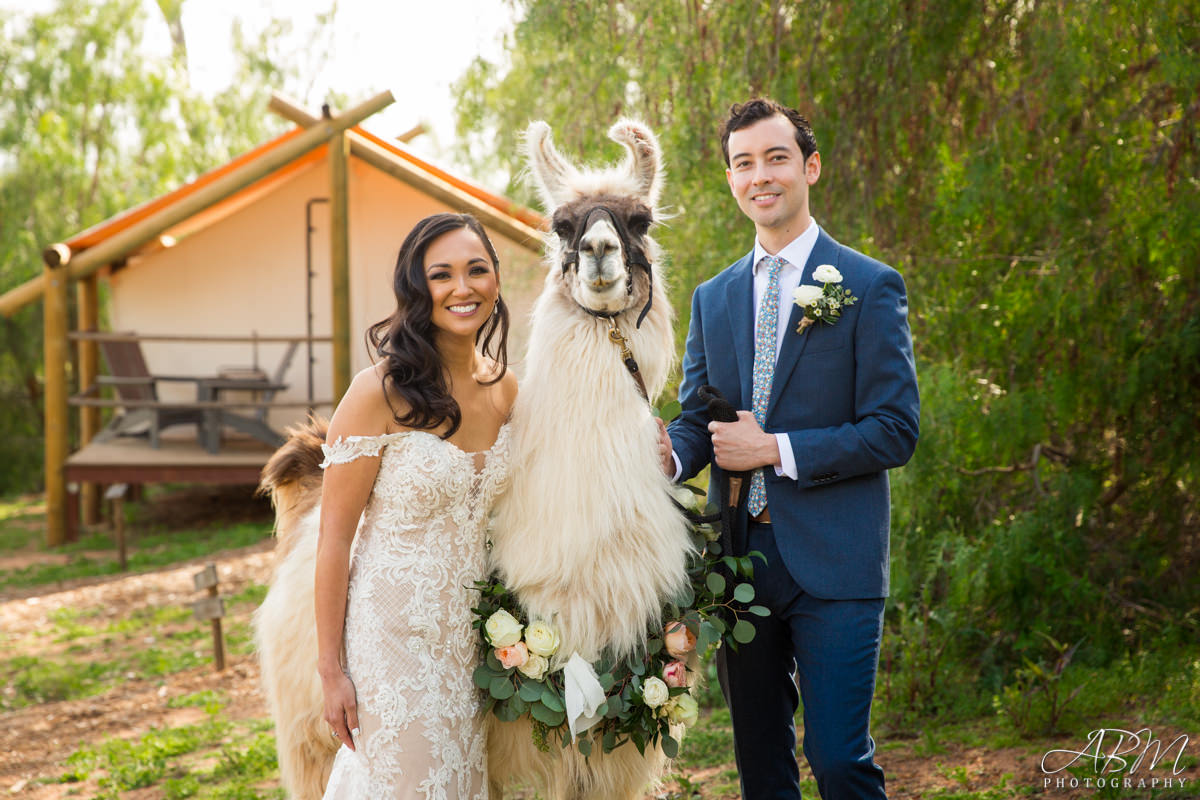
(678, 468)
(787, 459)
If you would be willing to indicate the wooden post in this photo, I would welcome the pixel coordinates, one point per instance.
(57, 352)
(116, 493)
(87, 300)
(211, 608)
(339, 260)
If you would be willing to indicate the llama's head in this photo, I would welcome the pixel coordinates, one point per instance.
(601, 219)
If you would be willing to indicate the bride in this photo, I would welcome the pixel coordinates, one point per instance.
(419, 452)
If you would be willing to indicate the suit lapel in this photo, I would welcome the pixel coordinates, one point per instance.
(740, 308)
(825, 251)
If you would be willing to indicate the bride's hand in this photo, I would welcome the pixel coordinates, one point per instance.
(341, 707)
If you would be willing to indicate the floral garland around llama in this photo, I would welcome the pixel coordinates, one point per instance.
(644, 695)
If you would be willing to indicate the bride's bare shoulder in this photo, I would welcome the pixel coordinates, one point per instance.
(368, 408)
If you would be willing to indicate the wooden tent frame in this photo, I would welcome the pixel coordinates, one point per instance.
(62, 266)
(148, 223)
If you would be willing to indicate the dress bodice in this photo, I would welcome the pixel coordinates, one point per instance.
(423, 476)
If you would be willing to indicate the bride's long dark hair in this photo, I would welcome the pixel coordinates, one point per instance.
(405, 340)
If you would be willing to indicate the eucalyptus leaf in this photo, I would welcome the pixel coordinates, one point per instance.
(482, 676)
(547, 716)
(501, 688)
(760, 611)
(584, 745)
(743, 593)
(670, 747)
(551, 700)
(715, 583)
(743, 631)
(530, 691)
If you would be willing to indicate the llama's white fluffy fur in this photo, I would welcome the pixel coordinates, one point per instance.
(286, 636)
(587, 536)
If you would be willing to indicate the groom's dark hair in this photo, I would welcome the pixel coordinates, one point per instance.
(743, 115)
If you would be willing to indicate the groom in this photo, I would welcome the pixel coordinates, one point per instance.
(826, 413)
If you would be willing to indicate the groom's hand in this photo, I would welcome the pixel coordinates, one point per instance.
(743, 445)
(665, 449)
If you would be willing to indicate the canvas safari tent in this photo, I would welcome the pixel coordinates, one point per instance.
(266, 270)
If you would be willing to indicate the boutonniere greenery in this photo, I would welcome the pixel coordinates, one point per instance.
(823, 303)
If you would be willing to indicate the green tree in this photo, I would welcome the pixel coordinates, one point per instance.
(91, 125)
(1030, 167)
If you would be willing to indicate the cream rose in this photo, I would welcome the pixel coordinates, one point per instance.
(542, 638)
(655, 692)
(678, 639)
(827, 273)
(513, 655)
(535, 667)
(683, 710)
(806, 296)
(675, 674)
(502, 629)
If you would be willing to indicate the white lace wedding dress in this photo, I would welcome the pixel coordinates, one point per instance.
(410, 649)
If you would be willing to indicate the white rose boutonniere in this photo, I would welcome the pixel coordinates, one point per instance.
(825, 302)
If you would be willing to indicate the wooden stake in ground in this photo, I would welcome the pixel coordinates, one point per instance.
(211, 608)
(116, 493)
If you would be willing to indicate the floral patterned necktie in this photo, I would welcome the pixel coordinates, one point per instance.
(764, 368)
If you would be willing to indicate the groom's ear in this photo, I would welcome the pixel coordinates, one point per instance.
(812, 168)
(729, 180)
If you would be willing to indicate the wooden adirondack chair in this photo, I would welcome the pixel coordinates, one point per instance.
(132, 379)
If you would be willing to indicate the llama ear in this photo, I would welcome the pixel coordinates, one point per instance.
(551, 172)
(645, 157)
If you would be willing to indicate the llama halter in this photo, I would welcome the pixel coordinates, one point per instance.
(634, 257)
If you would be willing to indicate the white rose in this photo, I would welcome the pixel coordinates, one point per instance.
(806, 296)
(655, 692)
(684, 710)
(827, 273)
(535, 667)
(502, 629)
(542, 638)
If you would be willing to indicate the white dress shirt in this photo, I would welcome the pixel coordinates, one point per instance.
(795, 253)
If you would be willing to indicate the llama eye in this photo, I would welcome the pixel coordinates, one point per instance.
(563, 230)
(639, 224)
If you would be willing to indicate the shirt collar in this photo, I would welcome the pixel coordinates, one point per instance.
(795, 252)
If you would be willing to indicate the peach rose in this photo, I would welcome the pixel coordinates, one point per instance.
(678, 639)
(675, 674)
(514, 655)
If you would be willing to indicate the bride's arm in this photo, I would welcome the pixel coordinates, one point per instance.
(344, 493)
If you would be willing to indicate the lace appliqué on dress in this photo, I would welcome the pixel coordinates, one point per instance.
(410, 649)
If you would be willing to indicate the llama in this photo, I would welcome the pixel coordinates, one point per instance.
(587, 536)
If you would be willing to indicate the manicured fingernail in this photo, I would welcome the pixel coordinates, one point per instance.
(354, 733)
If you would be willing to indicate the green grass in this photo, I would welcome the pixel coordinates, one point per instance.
(212, 760)
(151, 642)
(147, 551)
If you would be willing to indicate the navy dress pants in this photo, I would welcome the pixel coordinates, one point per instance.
(833, 647)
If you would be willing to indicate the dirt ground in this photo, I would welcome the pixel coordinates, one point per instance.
(35, 741)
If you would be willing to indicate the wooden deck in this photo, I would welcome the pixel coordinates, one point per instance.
(133, 460)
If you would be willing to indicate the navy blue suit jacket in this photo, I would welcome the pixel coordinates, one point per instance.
(845, 395)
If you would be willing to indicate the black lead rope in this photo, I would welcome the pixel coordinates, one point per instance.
(735, 490)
